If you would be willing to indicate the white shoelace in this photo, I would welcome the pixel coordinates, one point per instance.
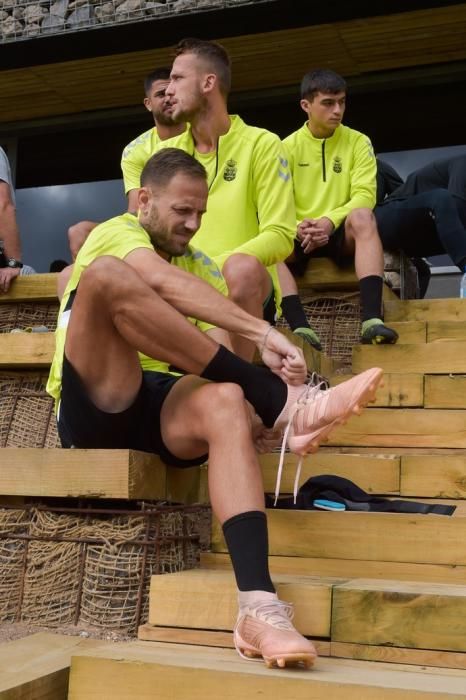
(277, 613)
(315, 389)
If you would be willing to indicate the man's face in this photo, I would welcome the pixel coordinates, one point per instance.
(185, 88)
(325, 112)
(172, 215)
(157, 103)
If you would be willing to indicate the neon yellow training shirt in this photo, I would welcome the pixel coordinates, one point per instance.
(250, 208)
(135, 156)
(118, 237)
(331, 176)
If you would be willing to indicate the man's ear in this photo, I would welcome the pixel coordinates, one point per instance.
(305, 105)
(209, 82)
(143, 199)
(146, 102)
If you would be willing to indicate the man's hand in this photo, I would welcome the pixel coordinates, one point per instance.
(283, 357)
(7, 274)
(314, 233)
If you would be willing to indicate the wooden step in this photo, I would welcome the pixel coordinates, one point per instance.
(440, 475)
(350, 568)
(392, 613)
(425, 310)
(400, 537)
(26, 349)
(37, 666)
(410, 331)
(375, 474)
(403, 427)
(139, 669)
(415, 615)
(398, 390)
(207, 600)
(398, 655)
(445, 391)
(433, 476)
(78, 473)
(428, 358)
(41, 287)
(445, 330)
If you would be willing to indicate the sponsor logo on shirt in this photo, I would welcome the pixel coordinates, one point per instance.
(229, 173)
(303, 165)
(337, 165)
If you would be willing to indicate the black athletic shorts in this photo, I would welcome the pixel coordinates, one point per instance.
(333, 250)
(81, 424)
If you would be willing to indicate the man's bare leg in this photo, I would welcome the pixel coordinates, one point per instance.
(249, 286)
(362, 240)
(77, 235)
(114, 312)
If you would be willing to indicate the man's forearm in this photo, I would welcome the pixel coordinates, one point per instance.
(194, 297)
(9, 232)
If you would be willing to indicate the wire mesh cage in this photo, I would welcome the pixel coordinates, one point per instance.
(92, 567)
(24, 19)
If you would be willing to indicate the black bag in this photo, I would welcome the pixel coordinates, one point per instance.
(335, 488)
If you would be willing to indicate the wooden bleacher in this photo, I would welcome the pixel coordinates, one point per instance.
(383, 595)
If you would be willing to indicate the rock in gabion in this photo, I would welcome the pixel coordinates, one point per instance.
(26, 18)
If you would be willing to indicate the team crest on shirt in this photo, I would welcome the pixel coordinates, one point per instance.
(229, 173)
(337, 165)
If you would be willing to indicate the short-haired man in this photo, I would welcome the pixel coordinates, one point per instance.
(10, 247)
(137, 152)
(135, 292)
(249, 224)
(334, 178)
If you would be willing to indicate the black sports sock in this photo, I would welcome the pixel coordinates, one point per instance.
(293, 312)
(371, 297)
(263, 389)
(247, 541)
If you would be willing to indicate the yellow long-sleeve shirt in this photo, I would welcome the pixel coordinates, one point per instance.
(332, 176)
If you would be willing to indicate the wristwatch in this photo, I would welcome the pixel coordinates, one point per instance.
(14, 263)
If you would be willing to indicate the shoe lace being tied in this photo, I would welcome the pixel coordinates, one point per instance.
(315, 389)
(277, 613)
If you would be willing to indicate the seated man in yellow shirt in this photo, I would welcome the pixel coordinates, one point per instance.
(334, 180)
(131, 290)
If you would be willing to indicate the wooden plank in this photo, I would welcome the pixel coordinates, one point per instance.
(323, 273)
(427, 358)
(37, 666)
(404, 427)
(398, 390)
(433, 476)
(423, 539)
(207, 638)
(375, 474)
(348, 568)
(32, 288)
(392, 613)
(81, 473)
(187, 485)
(216, 596)
(26, 349)
(425, 310)
(445, 330)
(397, 655)
(445, 391)
(123, 671)
(410, 331)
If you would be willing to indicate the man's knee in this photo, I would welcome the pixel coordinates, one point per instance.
(103, 271)
(245, 274)
(360, 223)
(77, 235)
(225, 403)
